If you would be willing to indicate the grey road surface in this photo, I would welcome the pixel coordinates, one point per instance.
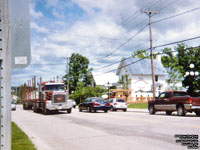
(134, 130)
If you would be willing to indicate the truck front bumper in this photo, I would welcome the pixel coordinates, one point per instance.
(58, 106)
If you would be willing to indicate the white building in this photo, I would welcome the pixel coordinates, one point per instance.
(139, 73)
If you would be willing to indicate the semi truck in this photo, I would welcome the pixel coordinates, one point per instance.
(47, 97)
(52, 98)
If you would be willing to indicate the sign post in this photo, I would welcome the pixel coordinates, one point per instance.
(15, 52)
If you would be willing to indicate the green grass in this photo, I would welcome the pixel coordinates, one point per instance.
(138, 105)
(20, 140)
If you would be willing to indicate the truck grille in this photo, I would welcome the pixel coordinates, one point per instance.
(58, 98)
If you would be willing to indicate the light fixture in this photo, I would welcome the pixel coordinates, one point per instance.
(192, 73)
(191, 66)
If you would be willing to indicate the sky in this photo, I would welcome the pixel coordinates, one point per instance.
(103, 31)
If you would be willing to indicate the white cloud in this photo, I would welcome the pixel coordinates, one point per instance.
(34, 13)
(38, 28)
(90, 34)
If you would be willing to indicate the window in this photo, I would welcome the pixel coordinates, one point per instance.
(162, 95)
(178, 94)
(167, 95)
(156, 78)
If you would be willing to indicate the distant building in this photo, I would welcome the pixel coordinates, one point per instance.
(139, 73)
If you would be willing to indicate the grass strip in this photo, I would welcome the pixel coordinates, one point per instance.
(138, 105)
(20, 140)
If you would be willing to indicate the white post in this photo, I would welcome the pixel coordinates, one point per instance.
(5, 79)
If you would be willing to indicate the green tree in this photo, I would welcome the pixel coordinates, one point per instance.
(140, 54)
(82, 92)
(125, 81)
(78, 71)
(179, 63)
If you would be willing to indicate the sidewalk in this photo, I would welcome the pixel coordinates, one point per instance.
(137, 110)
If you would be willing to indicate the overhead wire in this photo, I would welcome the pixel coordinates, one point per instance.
(172, 43)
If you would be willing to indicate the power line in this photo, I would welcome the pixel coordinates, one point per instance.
(189, 39)
(126, 41)
(177, 15)
(120, 60)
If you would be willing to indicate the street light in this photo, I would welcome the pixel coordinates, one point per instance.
(192, 73)
(108, 89)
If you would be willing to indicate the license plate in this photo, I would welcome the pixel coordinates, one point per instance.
(59, 107)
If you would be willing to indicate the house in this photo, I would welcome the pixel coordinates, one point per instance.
(140, 76)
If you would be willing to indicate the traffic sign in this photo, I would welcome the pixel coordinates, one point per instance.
(20, 33)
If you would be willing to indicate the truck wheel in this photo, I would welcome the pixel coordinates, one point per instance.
(69, 110)
(46, 111)
(168, 112)
(197, 113)
(152, 110)
(24, 107)
(180, 110)
(80, 110)
(105, 111)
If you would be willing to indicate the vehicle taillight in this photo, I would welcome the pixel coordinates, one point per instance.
(190, 100)
(107, 104)
(95, 104)
(115, 103)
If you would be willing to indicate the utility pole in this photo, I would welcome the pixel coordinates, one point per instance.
(5, 78)
(150, 13)
(68, 75)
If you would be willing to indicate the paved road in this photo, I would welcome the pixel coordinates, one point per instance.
(135, 130)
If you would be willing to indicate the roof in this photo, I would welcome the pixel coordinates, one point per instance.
(137, 66)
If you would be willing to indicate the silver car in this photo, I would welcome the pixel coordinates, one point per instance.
(13, 106)
(118, 104)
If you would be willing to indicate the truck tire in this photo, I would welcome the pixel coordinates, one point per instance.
(168, 112)
(69, 110)
(180, 110)
(24, 107)
(45, 111)
(152, 110)
(80, 110)
(197, 113)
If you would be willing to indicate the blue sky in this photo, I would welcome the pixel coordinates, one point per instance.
(95, 29)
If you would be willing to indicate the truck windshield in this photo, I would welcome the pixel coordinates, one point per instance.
(54, 87)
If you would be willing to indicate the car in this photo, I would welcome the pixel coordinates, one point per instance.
(74, 103)
(117, 104)
(92, 104)
(13, 106)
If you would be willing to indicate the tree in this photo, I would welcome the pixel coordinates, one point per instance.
(140, 54)
(125, 81)
(180, 63)
(82, 92)
(78, 71)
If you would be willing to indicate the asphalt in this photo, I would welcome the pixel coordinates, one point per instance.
(137, 110)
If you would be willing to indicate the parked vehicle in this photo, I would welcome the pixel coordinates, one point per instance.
(73, 102)
(117, 104)
(93, 104)
(171, 101)
(52, 97)
(13, 106)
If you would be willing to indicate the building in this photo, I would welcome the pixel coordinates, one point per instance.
(139, 74)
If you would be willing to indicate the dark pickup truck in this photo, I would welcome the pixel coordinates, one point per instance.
(179, 101)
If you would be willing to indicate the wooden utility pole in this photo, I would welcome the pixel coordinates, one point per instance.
(150, 13)
(68, 75)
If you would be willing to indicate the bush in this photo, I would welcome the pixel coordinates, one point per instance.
(82, 93)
